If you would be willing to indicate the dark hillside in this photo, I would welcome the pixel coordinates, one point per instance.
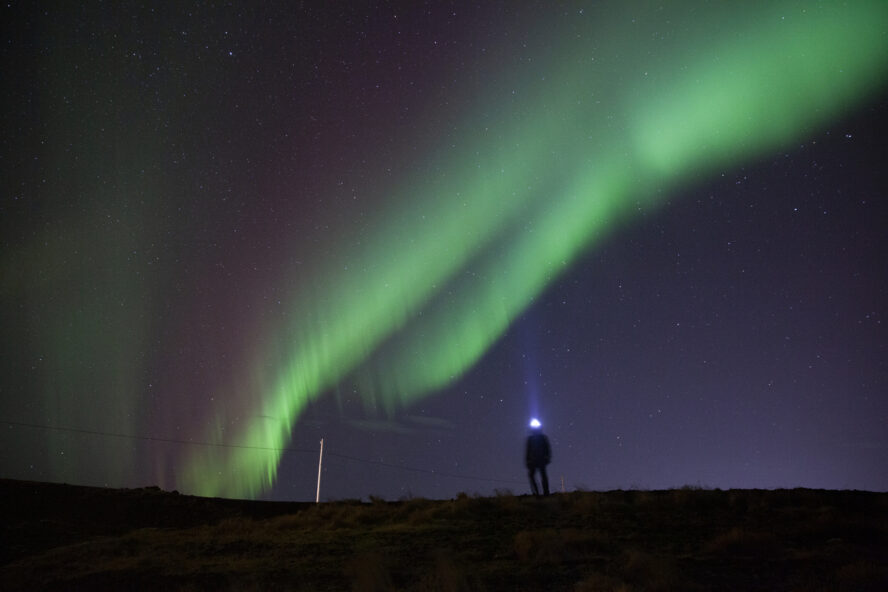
(59, 537)
(37, 516)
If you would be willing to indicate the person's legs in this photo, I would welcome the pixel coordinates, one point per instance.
(545, 479)
(533, 483)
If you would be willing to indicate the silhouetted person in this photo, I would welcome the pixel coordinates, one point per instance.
(537, 455)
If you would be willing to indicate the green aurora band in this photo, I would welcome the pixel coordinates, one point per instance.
(624, 116)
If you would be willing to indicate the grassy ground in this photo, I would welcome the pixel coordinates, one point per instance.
(59, 537)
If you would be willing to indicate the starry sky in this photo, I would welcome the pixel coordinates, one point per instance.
(230, 230)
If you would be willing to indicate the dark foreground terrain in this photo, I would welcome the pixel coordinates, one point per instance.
(61, 537)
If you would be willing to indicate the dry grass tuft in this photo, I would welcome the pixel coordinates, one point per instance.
(862, 576)
(597, 582)
(739, 541)
(646, 571)
(369, 572)
(552, 546)
(448, 576)
(539, 546)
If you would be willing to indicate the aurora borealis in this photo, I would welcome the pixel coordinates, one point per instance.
(230, 232)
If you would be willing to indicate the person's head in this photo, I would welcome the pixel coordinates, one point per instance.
(535, 425)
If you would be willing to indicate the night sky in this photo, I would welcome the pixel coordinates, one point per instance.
(230, 230)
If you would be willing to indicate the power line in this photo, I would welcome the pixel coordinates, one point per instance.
(419, 470)
(242, 446)
(149, 438)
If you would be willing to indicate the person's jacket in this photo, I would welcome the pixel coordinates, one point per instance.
(538, 453)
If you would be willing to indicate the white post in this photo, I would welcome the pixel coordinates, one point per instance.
(562, 483)
(320, 460)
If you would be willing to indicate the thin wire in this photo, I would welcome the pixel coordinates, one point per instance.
(149, 438)
(241, 446)
(419, 470)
